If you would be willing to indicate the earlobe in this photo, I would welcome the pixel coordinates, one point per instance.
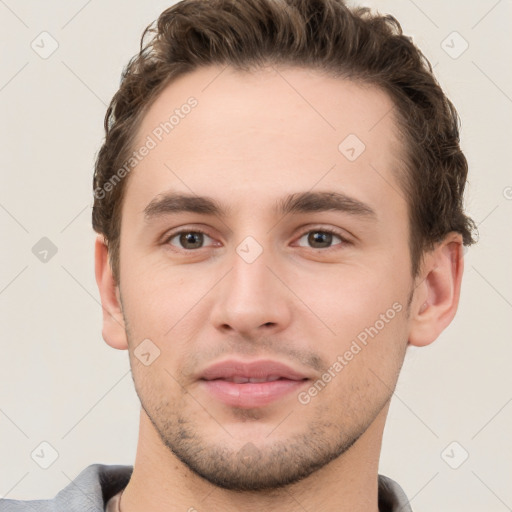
(438, 292)
(114, 332)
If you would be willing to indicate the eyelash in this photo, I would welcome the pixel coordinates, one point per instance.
(330, 231)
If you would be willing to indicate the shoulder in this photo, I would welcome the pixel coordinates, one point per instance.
(89, 491)
(391, 496)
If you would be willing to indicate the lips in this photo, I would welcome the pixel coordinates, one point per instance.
(251, 384)
(257, 371)
(243, 380)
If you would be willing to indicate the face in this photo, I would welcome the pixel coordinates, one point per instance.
(291, 246)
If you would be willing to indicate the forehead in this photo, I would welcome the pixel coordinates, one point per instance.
(264, 132)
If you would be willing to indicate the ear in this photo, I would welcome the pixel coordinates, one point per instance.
(114, 332)
(436, 297)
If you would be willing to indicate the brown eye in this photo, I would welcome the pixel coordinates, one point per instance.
(188, 240)
(320, 238)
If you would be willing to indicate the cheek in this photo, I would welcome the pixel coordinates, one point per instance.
(363, 361)
(352, 298)
(366, 313)
(370, 334)
(155, 296)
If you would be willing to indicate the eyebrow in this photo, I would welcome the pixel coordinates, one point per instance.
(301, 202)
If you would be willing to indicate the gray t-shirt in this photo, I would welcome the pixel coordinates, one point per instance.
(98, 486)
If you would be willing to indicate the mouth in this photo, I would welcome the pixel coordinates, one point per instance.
(245, 380)
(253, 384)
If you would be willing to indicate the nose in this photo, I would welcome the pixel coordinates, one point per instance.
(252, 299)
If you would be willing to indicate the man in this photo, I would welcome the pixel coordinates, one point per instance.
(279, 208)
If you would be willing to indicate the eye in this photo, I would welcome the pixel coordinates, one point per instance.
(188, 240)
(321, 238)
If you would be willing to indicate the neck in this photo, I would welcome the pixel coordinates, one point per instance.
(161, 482)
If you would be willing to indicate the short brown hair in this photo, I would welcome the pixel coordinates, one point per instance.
(326, 35)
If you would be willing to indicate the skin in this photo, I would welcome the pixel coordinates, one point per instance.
(252, 140)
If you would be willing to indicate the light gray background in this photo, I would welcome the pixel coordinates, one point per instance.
(61, 384)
